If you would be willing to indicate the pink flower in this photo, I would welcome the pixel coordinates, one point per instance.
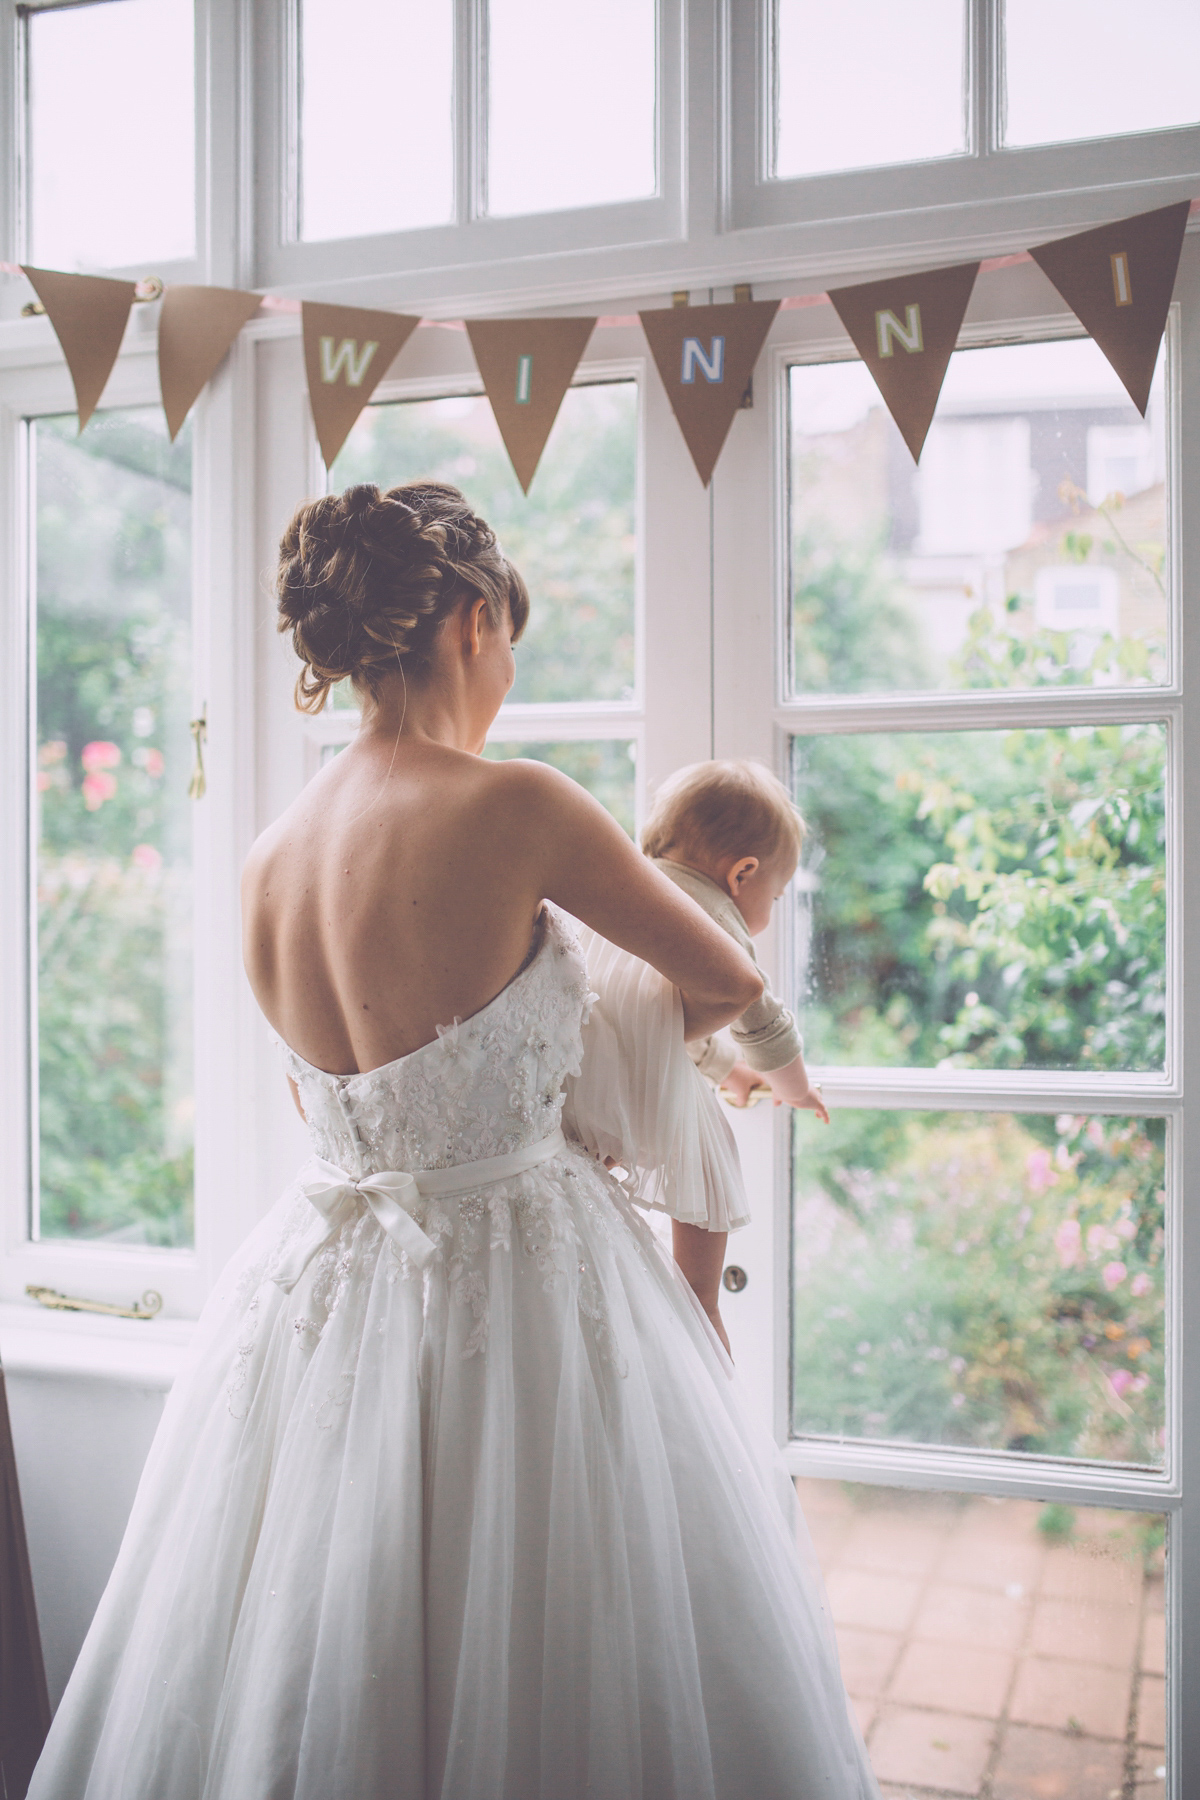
(1037, 1170)
(1119, 1381)
(153, 763)
(100, 754)
(1113, 1274)
(44, 781)
(97, 789)
(1066, 1242)
(1140, 1284)
(51, 753)
(145, 856)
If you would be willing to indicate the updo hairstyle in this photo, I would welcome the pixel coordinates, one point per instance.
(367, 580)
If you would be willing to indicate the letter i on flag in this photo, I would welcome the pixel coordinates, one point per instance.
(1117, 280)
(905, 330)
(527, 366)
(347, 353)
(706, 356)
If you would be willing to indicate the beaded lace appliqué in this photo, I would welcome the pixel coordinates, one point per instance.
(486, 1086)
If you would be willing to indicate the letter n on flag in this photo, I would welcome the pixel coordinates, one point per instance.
(905, 329)
(1117, 280)
(347, 353)
(527, 366)
(706, 356)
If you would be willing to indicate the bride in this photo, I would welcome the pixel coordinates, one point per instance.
(454, 1500)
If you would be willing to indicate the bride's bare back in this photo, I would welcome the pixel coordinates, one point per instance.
(401, 889)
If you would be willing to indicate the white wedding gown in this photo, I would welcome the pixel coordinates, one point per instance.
(454, 1500)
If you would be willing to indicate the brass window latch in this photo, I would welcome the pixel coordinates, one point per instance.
(198, 785)
(146, 1308)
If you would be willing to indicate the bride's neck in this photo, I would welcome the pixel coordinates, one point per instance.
(427, 712)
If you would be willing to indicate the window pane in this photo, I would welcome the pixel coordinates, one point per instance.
(573, 538)
(571, 103)
(376, 116)
(985, 899)
(863, 83)
(112, 134)
(1008, 1638)
(113, 830)
(1029, 548)
(1110, 69)
(993, 1280)
(606, 767)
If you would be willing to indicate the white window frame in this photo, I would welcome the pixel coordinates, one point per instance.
(756, 715)
(33, 382)
(473, 244)
(987, 195)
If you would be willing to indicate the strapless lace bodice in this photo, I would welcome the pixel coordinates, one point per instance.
(486, 1086)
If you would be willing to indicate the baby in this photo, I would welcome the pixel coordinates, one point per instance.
(729, 835)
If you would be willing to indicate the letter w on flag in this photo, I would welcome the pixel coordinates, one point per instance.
(355, 358)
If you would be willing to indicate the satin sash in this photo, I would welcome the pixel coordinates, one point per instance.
(392, 1194)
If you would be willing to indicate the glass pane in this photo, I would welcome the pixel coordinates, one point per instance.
(997, 1647)
(984, 899)
(558, 136)
(112, 134)
(992, 1280)
(864, 83)
(606, 767)
(376, 116)
(573, 538)
(1029, 549)
(113, 829)
(1110, 69)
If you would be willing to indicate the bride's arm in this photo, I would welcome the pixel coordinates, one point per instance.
(583, 862)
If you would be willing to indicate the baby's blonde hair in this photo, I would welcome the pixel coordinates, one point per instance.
(717, 811)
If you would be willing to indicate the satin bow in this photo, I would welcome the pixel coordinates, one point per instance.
(334, 1194)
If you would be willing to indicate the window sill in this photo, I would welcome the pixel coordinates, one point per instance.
(34, 1341)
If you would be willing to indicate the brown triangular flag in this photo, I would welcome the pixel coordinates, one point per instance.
(905, 329)
(1117, 280)
(89, 314)
(195, 329)
(347, 353)
(706, 356)
(527, 365)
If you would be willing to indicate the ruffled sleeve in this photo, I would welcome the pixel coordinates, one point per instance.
(640, 1099)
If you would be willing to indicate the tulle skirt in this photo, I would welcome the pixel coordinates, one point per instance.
(497, 1531)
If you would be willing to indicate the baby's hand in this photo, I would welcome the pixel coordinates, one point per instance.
(813, 1102)
(792, 1087)
(740, 1083)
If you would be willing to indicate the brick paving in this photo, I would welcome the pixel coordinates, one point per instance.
(986, 1660)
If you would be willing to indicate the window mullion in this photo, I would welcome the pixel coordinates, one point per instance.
(985, 76)
(470, 110)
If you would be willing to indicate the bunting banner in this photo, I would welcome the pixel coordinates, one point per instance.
(706, 356)
(347, 353)
(1117, 280)
(89, 314)
(905, 329)
(527, 365)
(195, 329)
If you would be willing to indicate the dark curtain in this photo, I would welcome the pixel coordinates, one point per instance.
(24, 1703)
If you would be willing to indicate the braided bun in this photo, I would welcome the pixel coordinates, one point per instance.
(367, 579)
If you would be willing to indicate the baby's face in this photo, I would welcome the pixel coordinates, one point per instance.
(757, 891)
